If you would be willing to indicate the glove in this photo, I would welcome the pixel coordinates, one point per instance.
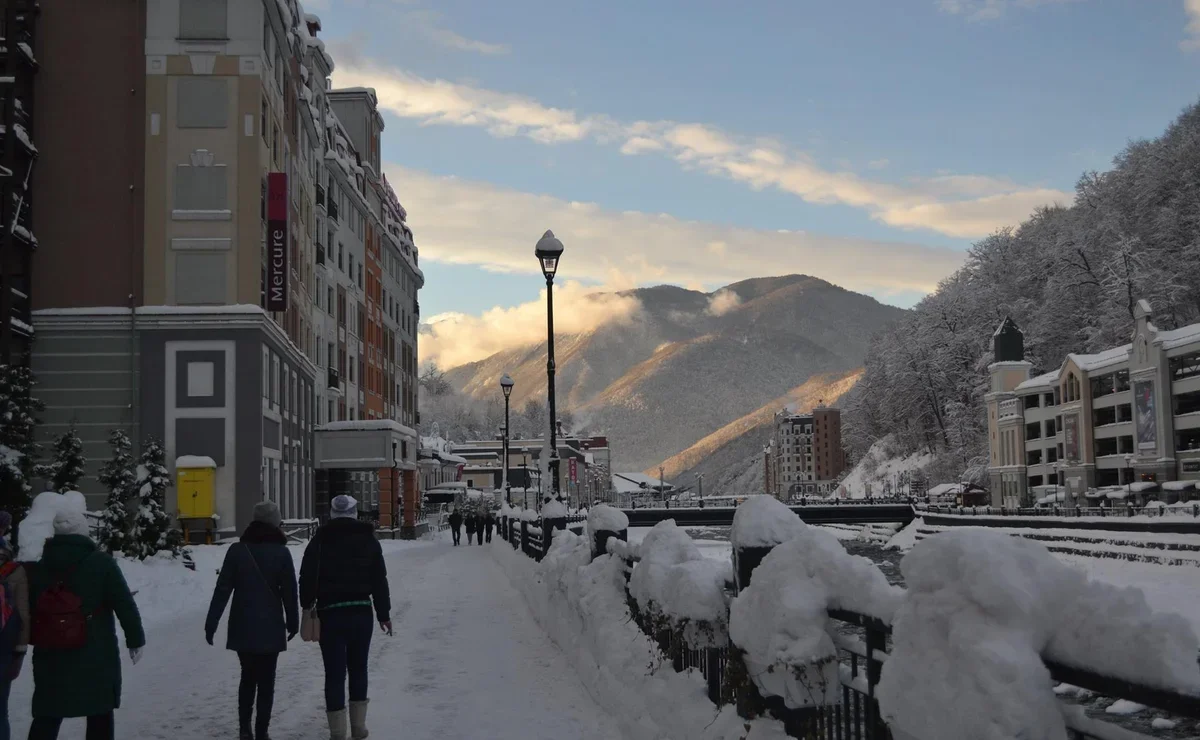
(291, 634)
(135, 654)
(14, 666)
(209, 637)
(386, 627)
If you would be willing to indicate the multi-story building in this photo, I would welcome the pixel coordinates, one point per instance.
(1101, 426)
(17, 156)
(223, 307)
(804, 455)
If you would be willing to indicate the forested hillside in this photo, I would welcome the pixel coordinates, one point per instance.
(1069, 276)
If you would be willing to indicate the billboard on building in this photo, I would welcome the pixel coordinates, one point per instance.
(1144, 415)
(277, 242)
(1071, 437)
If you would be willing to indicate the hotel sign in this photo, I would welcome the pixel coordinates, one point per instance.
(277, 242)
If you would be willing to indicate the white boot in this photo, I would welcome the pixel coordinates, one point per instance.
(358, 720)
(337, 725)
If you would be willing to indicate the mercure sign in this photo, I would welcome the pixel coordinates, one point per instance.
(277, 242)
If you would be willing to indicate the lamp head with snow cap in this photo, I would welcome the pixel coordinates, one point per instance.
(548, 251)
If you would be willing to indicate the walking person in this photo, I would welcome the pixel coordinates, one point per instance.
(259, 574)
(472, 525)
(342, 576)
(14, 621)
(456, 521)
(75, 593)
(489, 521)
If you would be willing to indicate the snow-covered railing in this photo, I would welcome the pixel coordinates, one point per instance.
(818, 639)
(1155, 510)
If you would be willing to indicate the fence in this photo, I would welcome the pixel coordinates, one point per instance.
(862, 643)
(1190, 509)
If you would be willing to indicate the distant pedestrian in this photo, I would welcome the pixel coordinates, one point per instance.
(489, 521)
(342, 575)
(456, 522)
(260, 575)
(14, 625)
(76, 659)
(5, 529)
(473, 525)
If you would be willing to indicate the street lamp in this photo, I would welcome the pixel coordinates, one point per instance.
(1129, 479)
(506, 386)
(525, 476)
(548, 251)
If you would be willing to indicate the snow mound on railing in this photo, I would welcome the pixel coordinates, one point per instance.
(984, 609)
(763, 521)
(603, 517)
(554, 510)
(673, 580)
(781, 620)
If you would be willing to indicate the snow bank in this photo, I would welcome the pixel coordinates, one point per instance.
(982, 611)
(781, 620)
(606, 518)
(763, 521)
(581, 605)
(38, 525)
(554, 510)
(906, 538)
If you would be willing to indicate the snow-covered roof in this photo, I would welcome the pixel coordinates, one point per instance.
(367, 425)
(1053, 498)
(1100, 360)
(1140, 486)
(1179, 485)
(195, 461)
(634, 482)
(1045, 380)
(1174, 338)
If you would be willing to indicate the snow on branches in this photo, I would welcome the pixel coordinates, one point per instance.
(152, 530)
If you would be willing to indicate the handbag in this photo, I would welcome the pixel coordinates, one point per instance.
(310, 620)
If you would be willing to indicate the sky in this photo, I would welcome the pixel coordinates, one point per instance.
(866, 142)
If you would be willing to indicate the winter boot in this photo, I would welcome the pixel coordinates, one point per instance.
(245, 734)
(337, 725)
(358, 720)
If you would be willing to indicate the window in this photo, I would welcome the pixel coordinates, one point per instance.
(200, 188)
(202, 19)
(202, 102)
(262, 124)
(274, 379)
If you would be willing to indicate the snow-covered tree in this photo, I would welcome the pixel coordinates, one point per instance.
(120, 476)
(18, 451)
(152, 530)
(65, 472)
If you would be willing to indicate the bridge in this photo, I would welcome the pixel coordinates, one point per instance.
(821, 514)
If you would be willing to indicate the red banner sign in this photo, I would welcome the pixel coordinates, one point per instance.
(574, 472)
(277, 242)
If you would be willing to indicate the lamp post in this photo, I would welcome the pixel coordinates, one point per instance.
(506, 386)
(1129, 479)
(525, 476)
(548, 251)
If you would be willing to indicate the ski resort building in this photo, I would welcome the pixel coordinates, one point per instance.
(1120, 423)
(805, 455)
(251, 296)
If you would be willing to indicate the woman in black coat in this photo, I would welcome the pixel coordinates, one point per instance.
(472, 525)
(456, 521)
(260, 575)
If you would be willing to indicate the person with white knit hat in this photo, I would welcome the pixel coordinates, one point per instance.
(342, 576)
(79, 674)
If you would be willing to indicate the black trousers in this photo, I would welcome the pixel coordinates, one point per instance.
(99, 727)
(457, 534)
(487, 528)
(258, 683)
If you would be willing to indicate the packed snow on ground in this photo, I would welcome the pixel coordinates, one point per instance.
(38, 525)
(605, 518)
(581, 605)
(880, 465)
(781, 620)
(763, 521)
(983, 609)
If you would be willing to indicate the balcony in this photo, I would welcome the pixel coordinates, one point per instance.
(1010, 408)
(334, 381)
(320, 197)
(333, 210)
(320, 255)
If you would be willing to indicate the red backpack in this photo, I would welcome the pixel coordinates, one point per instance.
(58, 619)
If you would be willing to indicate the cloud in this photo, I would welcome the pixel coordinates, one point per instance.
(722, 302)
(428, 23)
(878, 164)
(986, 10)
(1192, 43)
(453, 339)
(967, 206)
(471, 223)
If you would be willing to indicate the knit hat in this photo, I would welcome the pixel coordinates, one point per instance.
(70, 521)
(268, 513)
(5, 520)
(344, 507)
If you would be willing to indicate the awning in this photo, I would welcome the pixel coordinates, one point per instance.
(1179, 485)
(1053, 498)
(1143, 486)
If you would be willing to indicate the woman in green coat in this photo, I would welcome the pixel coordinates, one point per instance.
(85, 682)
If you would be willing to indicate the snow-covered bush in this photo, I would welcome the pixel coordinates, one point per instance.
(120, 476)
(152, 530)
(983, 611)
(38, 525)
(780, 621)
(67, 468)
(18, 451)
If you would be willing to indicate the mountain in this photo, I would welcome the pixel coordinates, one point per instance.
(687, 363)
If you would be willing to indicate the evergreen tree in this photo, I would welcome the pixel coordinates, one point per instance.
(119, 476)
(18, 451)
(152, 530)
(67, 469)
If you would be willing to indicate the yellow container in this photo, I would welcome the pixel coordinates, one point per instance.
(194, 492)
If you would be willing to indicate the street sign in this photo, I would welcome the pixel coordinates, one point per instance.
(574, 472)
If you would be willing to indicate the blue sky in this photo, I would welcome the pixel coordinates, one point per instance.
(677, 142)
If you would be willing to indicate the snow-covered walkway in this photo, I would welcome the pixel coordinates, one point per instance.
(468, 660)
